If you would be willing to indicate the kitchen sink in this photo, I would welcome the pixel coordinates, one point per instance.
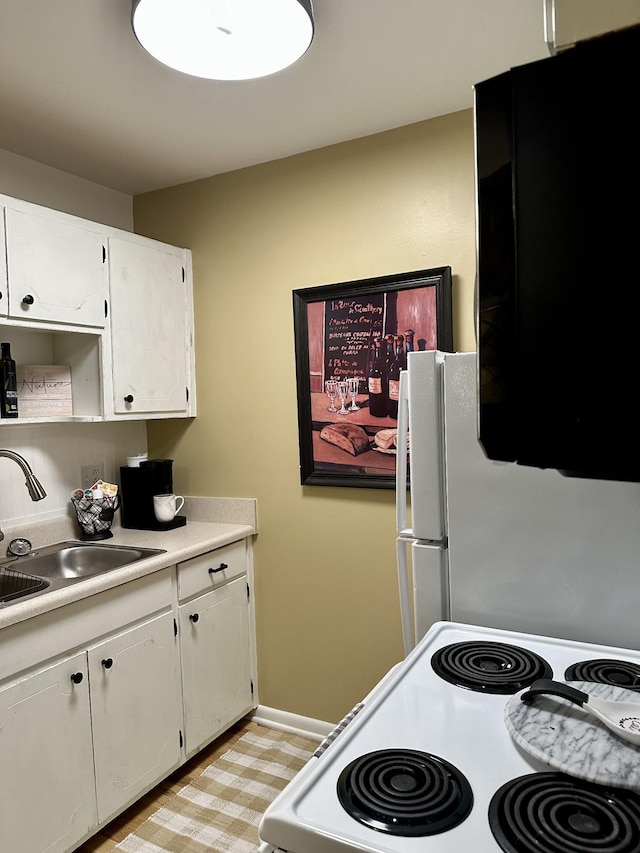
(16, 585)
(57, 565)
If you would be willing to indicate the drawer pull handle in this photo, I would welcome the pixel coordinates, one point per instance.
(129, 398)
(107, 663)
(220, 568)
(194, 617)
(77, 677)
(28, 299)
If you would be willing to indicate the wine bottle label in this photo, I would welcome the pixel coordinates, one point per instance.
(375, 385)
(394, 389)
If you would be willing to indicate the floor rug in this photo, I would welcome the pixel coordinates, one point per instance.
(221, 809)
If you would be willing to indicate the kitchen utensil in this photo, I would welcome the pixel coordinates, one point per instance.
(622, 718)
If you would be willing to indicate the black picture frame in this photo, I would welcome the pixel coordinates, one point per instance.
(334, 328)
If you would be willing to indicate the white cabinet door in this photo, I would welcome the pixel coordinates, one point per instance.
(55, 270)
(216, 661)
(47, 788)
(149, 344)
(135, 710)
(4, 302)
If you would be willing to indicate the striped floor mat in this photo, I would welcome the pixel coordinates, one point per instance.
(220, 810)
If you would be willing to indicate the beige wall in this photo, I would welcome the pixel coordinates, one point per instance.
(40, 184)
(326, 588)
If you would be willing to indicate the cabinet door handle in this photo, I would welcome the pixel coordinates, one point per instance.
(107, 663)
(194, 617)
(220, 568)
(28, 299)
(77, 677)
(129, 398)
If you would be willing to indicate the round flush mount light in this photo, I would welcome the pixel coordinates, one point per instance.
(224, 39)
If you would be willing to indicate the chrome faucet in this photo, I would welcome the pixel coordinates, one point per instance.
(32, 483)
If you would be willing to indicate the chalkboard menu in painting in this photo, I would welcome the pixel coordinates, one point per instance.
(350, 327)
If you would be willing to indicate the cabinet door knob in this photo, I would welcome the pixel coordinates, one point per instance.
(28, 299)
(129, 398)
(220, 568)
(194, 617)
(77, 677)
(107, 663)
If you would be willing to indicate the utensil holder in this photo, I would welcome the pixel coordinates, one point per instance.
(95, 517)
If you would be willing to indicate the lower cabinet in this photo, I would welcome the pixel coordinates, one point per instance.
(216, 661)
(93, 709)
(135, 712)
(87, 736)
(47, 791)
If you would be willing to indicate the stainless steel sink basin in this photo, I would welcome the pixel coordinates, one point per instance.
(72, 560)
(57, 565)
(16, 585)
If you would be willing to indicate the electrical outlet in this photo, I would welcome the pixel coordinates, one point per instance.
(89, 474)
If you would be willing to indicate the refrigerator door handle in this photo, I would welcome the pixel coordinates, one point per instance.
(401, 457)
(405, 600)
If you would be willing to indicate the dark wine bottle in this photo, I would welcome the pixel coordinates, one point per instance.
(9, 389)
(408, 338)
(375, 380)
(389, 355)
(394, 377)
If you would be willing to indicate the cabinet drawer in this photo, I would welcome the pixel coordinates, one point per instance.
(211, 569)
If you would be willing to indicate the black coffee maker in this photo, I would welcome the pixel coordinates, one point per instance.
(137, 488)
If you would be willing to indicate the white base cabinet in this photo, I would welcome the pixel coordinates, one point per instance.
(47, 800)
(216, 661)
(135, 712)
(217, 641)
(96, 697)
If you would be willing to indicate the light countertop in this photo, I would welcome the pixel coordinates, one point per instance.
(211, 523)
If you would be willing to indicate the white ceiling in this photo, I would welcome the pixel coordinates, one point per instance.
(77, 91)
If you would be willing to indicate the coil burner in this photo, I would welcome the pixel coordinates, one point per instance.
(405, 792)
(554, 813)
(489, 667)
(619, 673)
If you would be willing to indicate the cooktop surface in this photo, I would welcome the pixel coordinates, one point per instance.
(428, 764)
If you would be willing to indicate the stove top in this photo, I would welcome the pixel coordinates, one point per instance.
(428, 764)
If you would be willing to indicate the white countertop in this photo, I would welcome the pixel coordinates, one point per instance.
(201, 533)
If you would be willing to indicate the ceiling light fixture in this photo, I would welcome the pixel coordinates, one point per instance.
(224, 39)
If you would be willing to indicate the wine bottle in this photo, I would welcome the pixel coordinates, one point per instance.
(375, 379)
(394, 377)
(389, 356)
(9, 389)
(408, 338)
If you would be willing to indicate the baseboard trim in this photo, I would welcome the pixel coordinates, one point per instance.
(295, 723)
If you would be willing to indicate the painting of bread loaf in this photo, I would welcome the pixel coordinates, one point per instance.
(348, 437)
(352, 341)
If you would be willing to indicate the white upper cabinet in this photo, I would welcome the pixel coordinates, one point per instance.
(55, 270)
(115, 307)
(4, 305)
(150, 338)
(570, 21)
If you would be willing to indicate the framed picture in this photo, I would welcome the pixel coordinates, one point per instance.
(351, 341)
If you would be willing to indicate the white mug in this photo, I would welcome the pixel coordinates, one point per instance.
(165, 507)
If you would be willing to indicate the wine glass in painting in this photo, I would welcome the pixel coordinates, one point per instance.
(342, 393)
(353, 384)
(331, 387)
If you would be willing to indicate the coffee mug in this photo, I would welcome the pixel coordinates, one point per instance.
(165, 507)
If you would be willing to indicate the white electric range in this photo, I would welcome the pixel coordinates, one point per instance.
(433, 760)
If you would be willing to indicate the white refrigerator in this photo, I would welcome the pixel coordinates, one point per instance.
(498, 544)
